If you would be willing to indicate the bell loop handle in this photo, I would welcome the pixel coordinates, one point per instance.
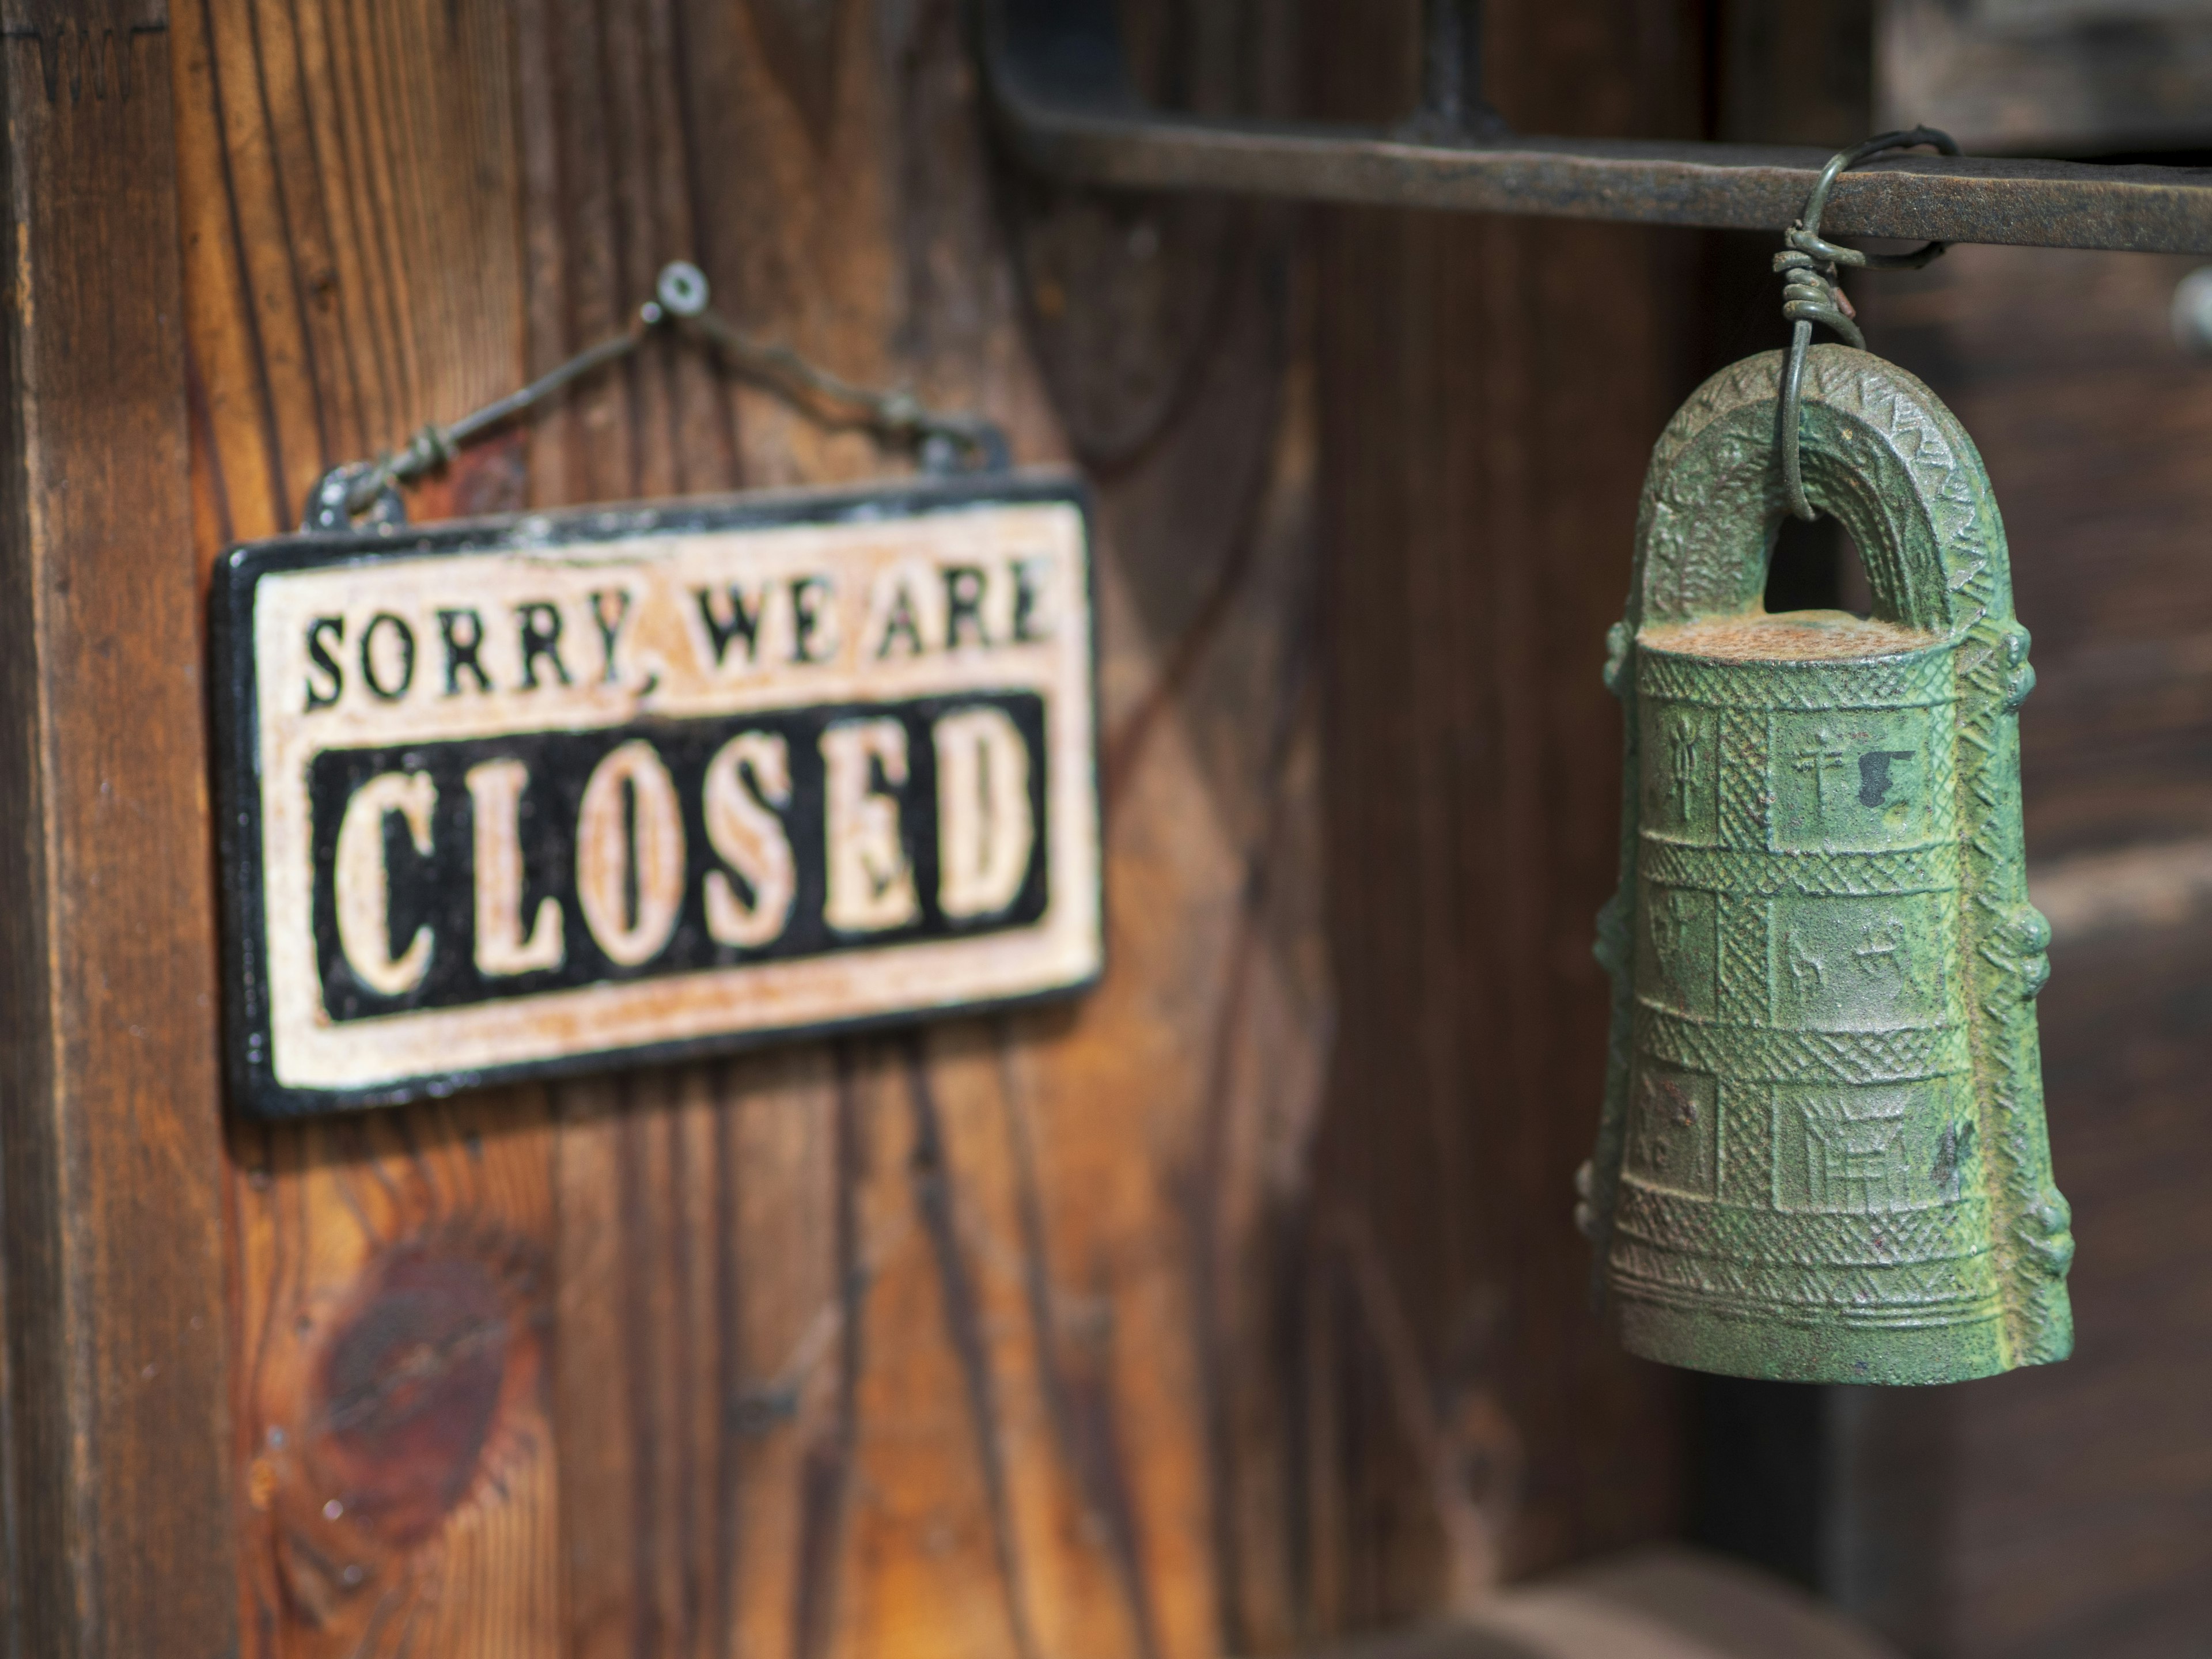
(1877, 449)
(1810, 267)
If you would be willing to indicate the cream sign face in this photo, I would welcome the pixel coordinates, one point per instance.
(523, 795)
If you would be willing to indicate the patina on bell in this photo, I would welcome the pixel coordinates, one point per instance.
(1822, 1156)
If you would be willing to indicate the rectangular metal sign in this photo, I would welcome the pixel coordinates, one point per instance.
(523, 795)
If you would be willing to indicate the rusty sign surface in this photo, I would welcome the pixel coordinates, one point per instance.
(516, 796)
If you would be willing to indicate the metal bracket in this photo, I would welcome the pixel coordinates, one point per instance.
(1062, 96)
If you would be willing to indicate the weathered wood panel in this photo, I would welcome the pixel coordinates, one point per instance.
(1082, 1332)
(813, 1349)
(976, 1386)
(117, 1504)
(1491, 389)
(348, 178)
(2068, 1511)
(1798, 74)
(394, 1337)
(2070, 78)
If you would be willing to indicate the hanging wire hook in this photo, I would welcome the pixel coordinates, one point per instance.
(1810, 293)
(944, 441)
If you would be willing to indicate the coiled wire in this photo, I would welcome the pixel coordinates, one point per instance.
(1811, 271)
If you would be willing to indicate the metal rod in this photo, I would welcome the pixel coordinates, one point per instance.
(1451, 62)
(1062, 100)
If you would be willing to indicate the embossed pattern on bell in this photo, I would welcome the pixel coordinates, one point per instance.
(1822, 1155)
(1800, 1139)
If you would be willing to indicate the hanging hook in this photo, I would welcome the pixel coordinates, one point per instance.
(1810, 293)
(944, 441)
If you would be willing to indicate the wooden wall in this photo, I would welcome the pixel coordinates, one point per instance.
(113, 1494)
(1191, 1319)
(1491, 388)
(1239, 1304)
(2068, 1511)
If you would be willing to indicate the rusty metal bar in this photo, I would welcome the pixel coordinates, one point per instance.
(1062, 98)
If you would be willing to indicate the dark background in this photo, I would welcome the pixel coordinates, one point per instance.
(1489, 388)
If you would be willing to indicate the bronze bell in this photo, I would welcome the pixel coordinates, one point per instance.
(1822, 1156)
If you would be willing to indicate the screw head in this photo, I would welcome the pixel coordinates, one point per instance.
(682, 288)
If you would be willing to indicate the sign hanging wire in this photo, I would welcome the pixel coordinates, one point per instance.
(368, 491)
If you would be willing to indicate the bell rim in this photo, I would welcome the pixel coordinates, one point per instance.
(1770, 1350)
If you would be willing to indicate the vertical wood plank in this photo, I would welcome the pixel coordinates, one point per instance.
(648, 1389)
(117, 1499)
(350, 182)
(1490, 389)
(394, 1356)
(957, 1303)
(786, 1148)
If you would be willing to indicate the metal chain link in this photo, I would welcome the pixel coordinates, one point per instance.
(367, 492)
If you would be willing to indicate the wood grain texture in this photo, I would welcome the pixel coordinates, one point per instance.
(892, 1344)
(1792, 75)
(2084, 80)
(393, 1353)
(895, 1342)
(117, 1503)
(1490, 389)
(348, 178)
(2065, 1512)
(1118, 1329)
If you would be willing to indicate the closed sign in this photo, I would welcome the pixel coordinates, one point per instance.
(520, 795)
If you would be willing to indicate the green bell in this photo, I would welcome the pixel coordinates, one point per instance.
(1822, 1156)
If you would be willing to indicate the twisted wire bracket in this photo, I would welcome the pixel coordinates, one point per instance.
(361, 493)
(1810, 293)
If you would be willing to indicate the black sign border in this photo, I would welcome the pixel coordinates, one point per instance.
(247, 1050)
